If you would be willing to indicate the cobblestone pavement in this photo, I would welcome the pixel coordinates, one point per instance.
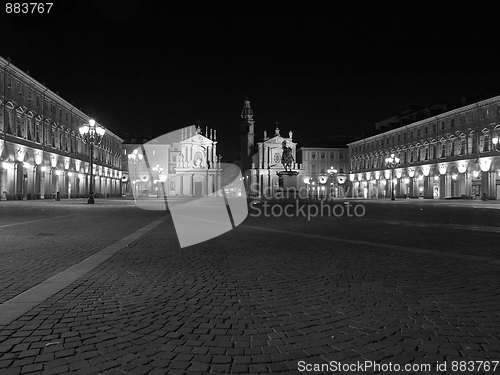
(275, 295)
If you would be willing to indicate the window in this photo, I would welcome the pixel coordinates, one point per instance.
(452, 122)
(332, 155)
(18, 87)
(341, 156)
(30, 93)
(9, 82)
(486, 147)
(322, 155)
(313, 155)
(426, 129)
(37, 132)
(434, 127)
(442, 125)
(418, 132)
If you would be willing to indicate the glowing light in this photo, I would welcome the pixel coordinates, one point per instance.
(485, 164)
(462, 167)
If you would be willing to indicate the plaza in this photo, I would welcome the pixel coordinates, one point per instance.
(106, 289)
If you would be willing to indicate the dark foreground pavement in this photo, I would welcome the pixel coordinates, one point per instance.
(413, 284)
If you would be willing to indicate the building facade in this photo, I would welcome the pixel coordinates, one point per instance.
(325, 165)
(42, 154)
(450, 155)
(261, 164)
(182, 163)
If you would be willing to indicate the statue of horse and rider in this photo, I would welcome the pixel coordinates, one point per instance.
(287, 157)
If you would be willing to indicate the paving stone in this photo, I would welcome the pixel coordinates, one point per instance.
(273, 296)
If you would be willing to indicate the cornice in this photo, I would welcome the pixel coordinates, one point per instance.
(466, 108)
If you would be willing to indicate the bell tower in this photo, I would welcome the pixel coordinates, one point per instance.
(247, 136)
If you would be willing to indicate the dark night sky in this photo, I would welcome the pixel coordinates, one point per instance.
(318, 68)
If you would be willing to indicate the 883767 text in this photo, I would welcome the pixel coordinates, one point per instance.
(25, 8)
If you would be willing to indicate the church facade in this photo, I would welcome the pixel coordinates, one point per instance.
(181, 163)
(262, 165)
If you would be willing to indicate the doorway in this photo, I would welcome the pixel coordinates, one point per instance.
(197, 189)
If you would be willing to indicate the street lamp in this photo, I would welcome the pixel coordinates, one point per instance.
(92, 135)
(135, 158)
(392, 162)
(160, 178)
(332, 172)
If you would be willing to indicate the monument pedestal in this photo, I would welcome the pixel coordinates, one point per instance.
(288, 182)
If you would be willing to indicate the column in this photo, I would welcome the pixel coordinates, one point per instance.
(442, 186)
(492, 185)
(468, 185)
(2, 172)
(485, 185)
(18, 180)
(428, 187)
(38, 182)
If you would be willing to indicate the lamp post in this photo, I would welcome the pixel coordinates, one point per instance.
(92, 135)
(160, 178)
(136, 158)
(392, 162)
(332, 172)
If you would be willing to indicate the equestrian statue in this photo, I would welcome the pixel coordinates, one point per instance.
(287, 157)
